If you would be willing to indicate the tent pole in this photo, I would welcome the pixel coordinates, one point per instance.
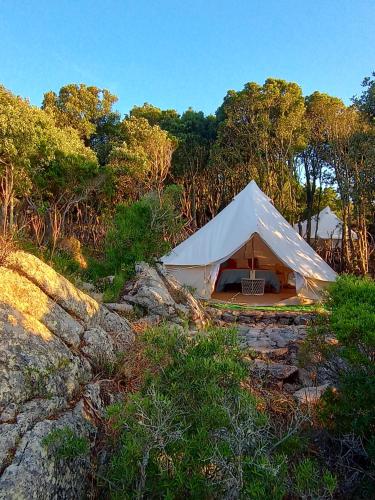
(252, 274)
(252, 254)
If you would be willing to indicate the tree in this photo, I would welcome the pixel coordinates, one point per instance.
(167, 119)
(340, 151)
(107, 134)
(195, 133)
(366, 101)
(40, 163)
(314, 157)
(142, 162)
(260, 133)
(79, 106)
(17, 144)
(196, 136)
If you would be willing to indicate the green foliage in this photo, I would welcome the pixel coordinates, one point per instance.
(261, 129)
(79, 106)
(113, 290)
(142, 162)
(193, 431)
(366, 101)
(141, 232)
(64, 264)
(350, 408)
(352, 319)
(65, 444)
(308, 483)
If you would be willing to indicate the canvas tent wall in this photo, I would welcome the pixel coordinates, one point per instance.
(324, 226)
(196, 261)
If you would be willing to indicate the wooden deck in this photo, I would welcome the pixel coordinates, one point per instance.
(286, 297)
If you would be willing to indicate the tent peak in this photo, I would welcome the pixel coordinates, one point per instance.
(251, 188)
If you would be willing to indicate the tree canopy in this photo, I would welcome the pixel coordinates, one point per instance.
(65, 167)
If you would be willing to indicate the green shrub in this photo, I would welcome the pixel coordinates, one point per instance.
(193, 431)
(310, 482)
(350, 408)
(113, 290)
(65, 444)
(65, 264)
(352, 304)
(141, 231)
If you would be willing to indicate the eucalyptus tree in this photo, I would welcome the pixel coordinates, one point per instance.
(41, 165)
(315, 156)
(81, 107)
(196, 135)
(260, 134)
(18, 145)
(142, 161)
(366, 101)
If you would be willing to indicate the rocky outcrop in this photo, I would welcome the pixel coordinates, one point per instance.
(158, 294)
(53, 340)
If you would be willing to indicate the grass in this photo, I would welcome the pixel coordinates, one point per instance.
(286, 308)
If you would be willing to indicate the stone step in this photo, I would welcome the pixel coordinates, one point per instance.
(279, 371)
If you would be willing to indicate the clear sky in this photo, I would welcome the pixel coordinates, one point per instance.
(181, 53)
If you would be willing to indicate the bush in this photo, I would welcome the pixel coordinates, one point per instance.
(141, 231)
(310, 483)
(352, 304)
(350, 407)
(193, 431)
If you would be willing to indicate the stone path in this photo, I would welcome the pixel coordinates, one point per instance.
(275, 347)
(264, 338)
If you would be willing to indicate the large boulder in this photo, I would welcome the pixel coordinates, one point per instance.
(157, 293)
(53, 340)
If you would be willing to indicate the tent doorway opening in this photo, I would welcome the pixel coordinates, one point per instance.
(254, 255)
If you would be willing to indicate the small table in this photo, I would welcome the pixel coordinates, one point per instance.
(252, 286)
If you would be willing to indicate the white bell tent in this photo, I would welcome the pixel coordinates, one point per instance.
(249, 226)
(324, 226)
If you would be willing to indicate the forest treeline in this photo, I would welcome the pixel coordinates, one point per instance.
(70, 167)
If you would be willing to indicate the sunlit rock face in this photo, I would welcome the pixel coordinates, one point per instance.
(53, 339)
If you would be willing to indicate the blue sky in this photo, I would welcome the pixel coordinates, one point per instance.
(181, 53)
